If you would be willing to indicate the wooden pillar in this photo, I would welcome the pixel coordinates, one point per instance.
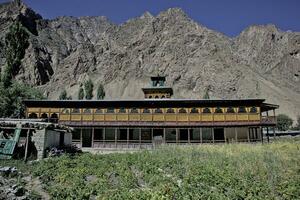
(189, 136)
(225, 135)
(93, 132)
(268, 137)
(152, 135)
(213, 134)
(127, 136)
(81, 137)
(236, 134)
(164, 132)
(140, 136)
(116, 136)
(248, 135)
(201, 138)
(261, 135)
(104, 132)
(274, 132)
(176, 135)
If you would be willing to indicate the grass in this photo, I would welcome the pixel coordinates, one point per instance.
(231, 171)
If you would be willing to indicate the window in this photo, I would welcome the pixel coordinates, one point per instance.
(253, 110)
(76, 134)
(110, 110)
(146, 110)
(194, 110)
(122, 110)
(98, 110)
(76, 110)
(206, 110)
(54, 116)
(134, 110)
(230, 110)
(182, 110)
(242, 109)
(150, 97)
(33, 115)
(218, 110)
(170, 110)
(158, 110)
(87, 111)
(44, 116)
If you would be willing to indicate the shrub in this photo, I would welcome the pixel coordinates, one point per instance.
(284, 122)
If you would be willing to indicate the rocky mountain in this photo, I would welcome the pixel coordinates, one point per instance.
(262, 62)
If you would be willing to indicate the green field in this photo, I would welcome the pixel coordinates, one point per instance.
(230, 171)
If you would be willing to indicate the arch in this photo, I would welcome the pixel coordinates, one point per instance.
(170, 110)
(230, 110)
(253, 109)
(158, 110)
(66, 111)
(110, 110)
(76, 110)
(33, 115)
(156, 97)
(182, 110)
(87, 111)
(242, 109)
(146, 110)
(218, 110)
(98, 110)
(122, 110)
(194, 110)
(206, 110)
(54, 116)
(150, 97)
(134, 110)
(163, 96)
(44, 116)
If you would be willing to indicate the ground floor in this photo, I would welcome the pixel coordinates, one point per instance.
(124, 137)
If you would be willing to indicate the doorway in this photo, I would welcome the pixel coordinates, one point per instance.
(86, 137)
(219, 135)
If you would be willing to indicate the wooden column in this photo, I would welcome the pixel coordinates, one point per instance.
(93, 132)
(152, 135)
(225, 135)
(213, 134)
(127, 137)
(248, 135)
(236, 137)
(176, 135)
(140, 136)
(116, 136)
(104, 131)
(189, 136)
(268, 137)
(274, 132)
(164, 132)
(201, 138)
(261, 135)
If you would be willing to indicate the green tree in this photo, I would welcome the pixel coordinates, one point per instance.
(63, 95)
(16, 42)
(88, 87)
(206, 95)
(100, 92)
(11, 99)
(80, 93)
(284, 122)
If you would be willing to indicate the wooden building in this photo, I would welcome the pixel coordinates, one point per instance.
(157, 119)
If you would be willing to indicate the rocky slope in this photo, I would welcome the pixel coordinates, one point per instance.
(262, 61)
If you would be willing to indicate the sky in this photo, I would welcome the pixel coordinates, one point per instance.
(227, 16)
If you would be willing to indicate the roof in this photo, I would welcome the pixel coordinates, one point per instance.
(149, 103)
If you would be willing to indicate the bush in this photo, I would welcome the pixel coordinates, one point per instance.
(89, 87)
(284, 122)
(63, 95)
(100, 92)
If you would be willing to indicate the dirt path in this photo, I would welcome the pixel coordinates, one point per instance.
(34, 184)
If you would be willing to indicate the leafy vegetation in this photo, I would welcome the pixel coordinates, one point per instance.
(16, 42)
(284, 122)
(231, 171)
(80, 93)
(100, 92)
(89, 87)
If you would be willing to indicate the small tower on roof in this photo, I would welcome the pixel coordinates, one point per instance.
(157, 89)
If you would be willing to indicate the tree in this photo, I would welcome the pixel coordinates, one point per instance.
(206, 95)
(284, 122)
(297, 127)
(88, 87)
(63, 95)
(80, 93)
(11, 99)
(16, 42)
(100, 92)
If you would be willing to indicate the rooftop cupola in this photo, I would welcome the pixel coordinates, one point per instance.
(157, 89)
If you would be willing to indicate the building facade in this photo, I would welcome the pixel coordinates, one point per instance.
(157, 119)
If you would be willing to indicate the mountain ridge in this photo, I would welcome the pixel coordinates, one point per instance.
(261, 62)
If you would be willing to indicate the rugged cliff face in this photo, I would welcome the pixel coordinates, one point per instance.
(261, 62)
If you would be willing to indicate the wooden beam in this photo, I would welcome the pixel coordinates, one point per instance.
(236, 137)
(201, 138)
